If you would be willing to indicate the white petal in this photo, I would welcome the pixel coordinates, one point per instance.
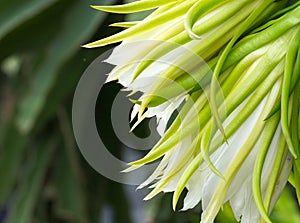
(244, 174)
(137, 46)
(175, 158)
(238, 200)
(134, 112)
(164, 117)
(250, 212)
(129, 53)
(230, 150)
(194, 187)
(158, 171)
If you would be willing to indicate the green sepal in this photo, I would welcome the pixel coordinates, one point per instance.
(291, 57)
(132, 7)
(267, 138)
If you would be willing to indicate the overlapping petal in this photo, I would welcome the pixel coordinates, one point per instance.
(234, 86)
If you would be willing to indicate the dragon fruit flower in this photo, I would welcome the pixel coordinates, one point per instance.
(231, 69)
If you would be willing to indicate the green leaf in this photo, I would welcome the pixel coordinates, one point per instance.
(286, 210)
(70, 203)
(226, 215)
(297, 178)
(31, 183)
(15, 12)
(12, 149)
(61, 91)
(79, 23)
(33, 36)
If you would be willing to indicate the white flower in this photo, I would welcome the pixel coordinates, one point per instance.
(231, 140)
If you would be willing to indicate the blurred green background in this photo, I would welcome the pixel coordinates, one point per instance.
(43, 177)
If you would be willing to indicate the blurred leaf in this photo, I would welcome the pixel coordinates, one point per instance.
(297, 178)
(31, 184)
(14, 12)
(119, 201)
(11, 156)
(286, 209)
(42, 209)
(61, 92)
(162, 211)
(47, 42)
(32, 35)
(70, 203)
(226, 215)
(80, 21)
